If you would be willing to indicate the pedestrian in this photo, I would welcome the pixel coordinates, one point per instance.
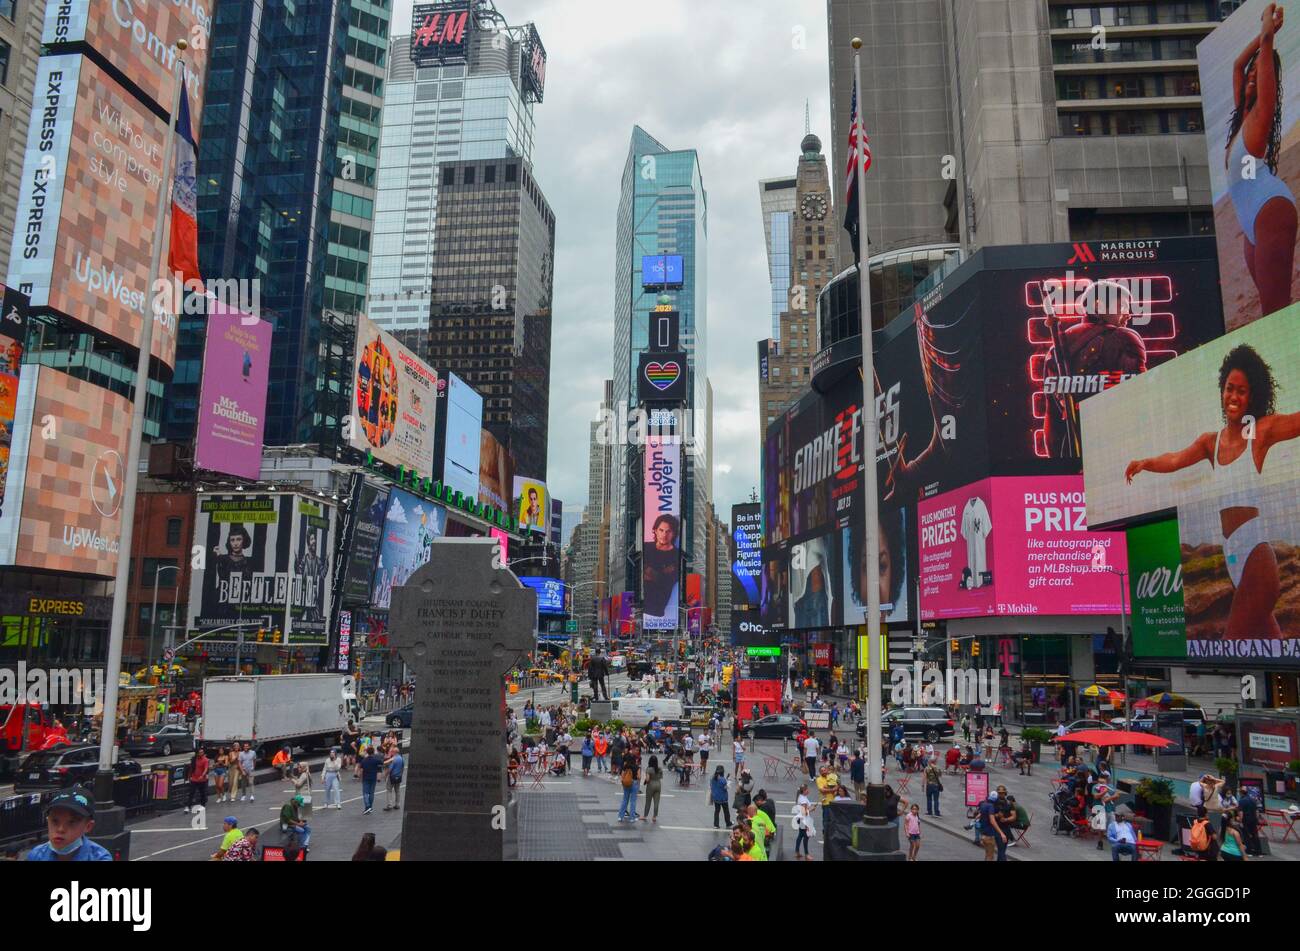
(744, 790)
(761, 825)
(630, 779)
(933, 786)
(600, 743)
(992, 837)
(654, 777)
(220, 768)
(965, 727)
(396, 766)
(738, 756)
(811, 749)
(1233, 848)
(247, 764)
(802, 824)
(349, 741)
(293, 825)
(367, 771)
(365, 850)
(858, 774)
(913, 827)
(705, 744)
(617, 746)
(331, 780)
(301, 780)
(243, 849)
(564, 743)
(198, 771)
(718, 796)
(588, 751)
(69, 818)
(1122, 836)
(283, 761)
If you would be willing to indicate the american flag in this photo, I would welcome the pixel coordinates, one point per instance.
(850, 175)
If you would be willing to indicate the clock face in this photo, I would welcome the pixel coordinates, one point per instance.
(813, 206)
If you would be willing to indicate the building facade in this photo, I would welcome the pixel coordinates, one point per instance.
(663, 209)
(20, 46)
(776, 198)
(476, 109)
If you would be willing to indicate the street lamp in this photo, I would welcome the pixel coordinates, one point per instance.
(1123, 650)
(153, 612)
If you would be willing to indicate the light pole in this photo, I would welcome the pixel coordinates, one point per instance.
(1123, 651)
(153, 612)
(111, 819)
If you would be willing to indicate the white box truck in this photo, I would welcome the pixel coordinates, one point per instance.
(302, 710)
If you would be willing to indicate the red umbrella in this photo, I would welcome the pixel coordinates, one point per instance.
(1113, 738)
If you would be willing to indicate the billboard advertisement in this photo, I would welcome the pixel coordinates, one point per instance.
(532, 505)
(440, 33)
(496, 473)
(532, 65)
(1241, 593)
(550, 594)
(13, 337)
(1180, 433)
(310, 583)
(746, 557)
(250, 566)
(1253, 139)
(232, 393)
(661, 270)
(87, 201)
(63, 487)
(894, 568)
(662, 377)
(461, 455)
(140, 37)
(1016, 546)
(1156, 620)
(410, 526)
(1267, 742)
(395, 401)
(367, 532)
(662, 517)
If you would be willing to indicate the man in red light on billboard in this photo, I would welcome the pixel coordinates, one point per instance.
(1094, 353)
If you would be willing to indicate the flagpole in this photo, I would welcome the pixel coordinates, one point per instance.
(131, 476)
(870, 431)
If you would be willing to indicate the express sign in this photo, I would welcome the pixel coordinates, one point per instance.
(439, 32)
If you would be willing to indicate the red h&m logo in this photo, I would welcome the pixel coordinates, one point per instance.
(439, 28)
(1082, 255)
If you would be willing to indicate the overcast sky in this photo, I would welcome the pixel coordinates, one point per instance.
(726, 77)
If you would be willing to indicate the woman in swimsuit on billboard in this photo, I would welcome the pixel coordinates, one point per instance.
(1246, 389)
(1265, 207)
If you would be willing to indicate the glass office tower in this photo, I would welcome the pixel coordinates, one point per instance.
(662, 209)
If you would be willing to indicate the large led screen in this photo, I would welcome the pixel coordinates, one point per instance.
(232, 393)
(410, 526)
(662, 517)
(395, 400)
(463, 445)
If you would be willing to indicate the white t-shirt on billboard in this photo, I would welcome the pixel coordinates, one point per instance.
(976, 525)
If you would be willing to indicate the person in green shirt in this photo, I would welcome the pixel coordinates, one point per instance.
(763, 828)
(292, 824)
(230, 826)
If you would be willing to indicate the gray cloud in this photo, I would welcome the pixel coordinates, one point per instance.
(721, 76)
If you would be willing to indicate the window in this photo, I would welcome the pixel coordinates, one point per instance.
(5, 50)
(7, 8)
(174, 531)
(490, 174)
(449, 176)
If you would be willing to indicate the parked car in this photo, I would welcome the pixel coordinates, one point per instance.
(161, 738)
(777, 726)
(930, 723)
(65, 766)
(401, 716)
(1087, 724)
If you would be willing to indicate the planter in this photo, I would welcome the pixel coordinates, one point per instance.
(1037, 749)
(1161, 816)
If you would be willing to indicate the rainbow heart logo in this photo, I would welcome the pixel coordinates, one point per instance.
(662, 375)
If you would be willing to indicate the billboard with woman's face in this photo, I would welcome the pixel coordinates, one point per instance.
(1248, 65)
(662, 549)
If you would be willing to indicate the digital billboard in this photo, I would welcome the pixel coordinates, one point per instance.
(139, 37)
(746, 557)
(893, 557)
(1253, 140)
(395, 400)
(310, 581)
(550, 594)
(87, 201)
(1177, 435)
(1016, 545)
(662, 377)
(410, 526)
(367, 532)
(63, 487)
(662, 518)
(496, 473)
(532, 506)
(232, 393)
(13, 336)
(249, 569)
(532, 65)
(661, 270)
(440, 33)
(1157, 625)
(463, 445)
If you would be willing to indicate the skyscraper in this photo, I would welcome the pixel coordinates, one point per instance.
(478, 105)
(286, 173)
(776, 198)
(20, 45)
(663, 209)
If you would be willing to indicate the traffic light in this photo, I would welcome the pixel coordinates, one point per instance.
(261, 633)
(974, 648)
(275, 636)
(956, 646)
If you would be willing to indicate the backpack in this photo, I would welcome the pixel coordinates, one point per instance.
(627, 779)
(1200, 835)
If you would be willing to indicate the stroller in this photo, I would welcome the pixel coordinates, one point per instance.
(1066, 819)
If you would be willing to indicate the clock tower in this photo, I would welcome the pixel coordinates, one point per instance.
(812, 265)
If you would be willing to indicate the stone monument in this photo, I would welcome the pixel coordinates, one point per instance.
(460, 622)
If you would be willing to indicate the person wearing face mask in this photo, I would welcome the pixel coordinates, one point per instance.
(69, 819)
